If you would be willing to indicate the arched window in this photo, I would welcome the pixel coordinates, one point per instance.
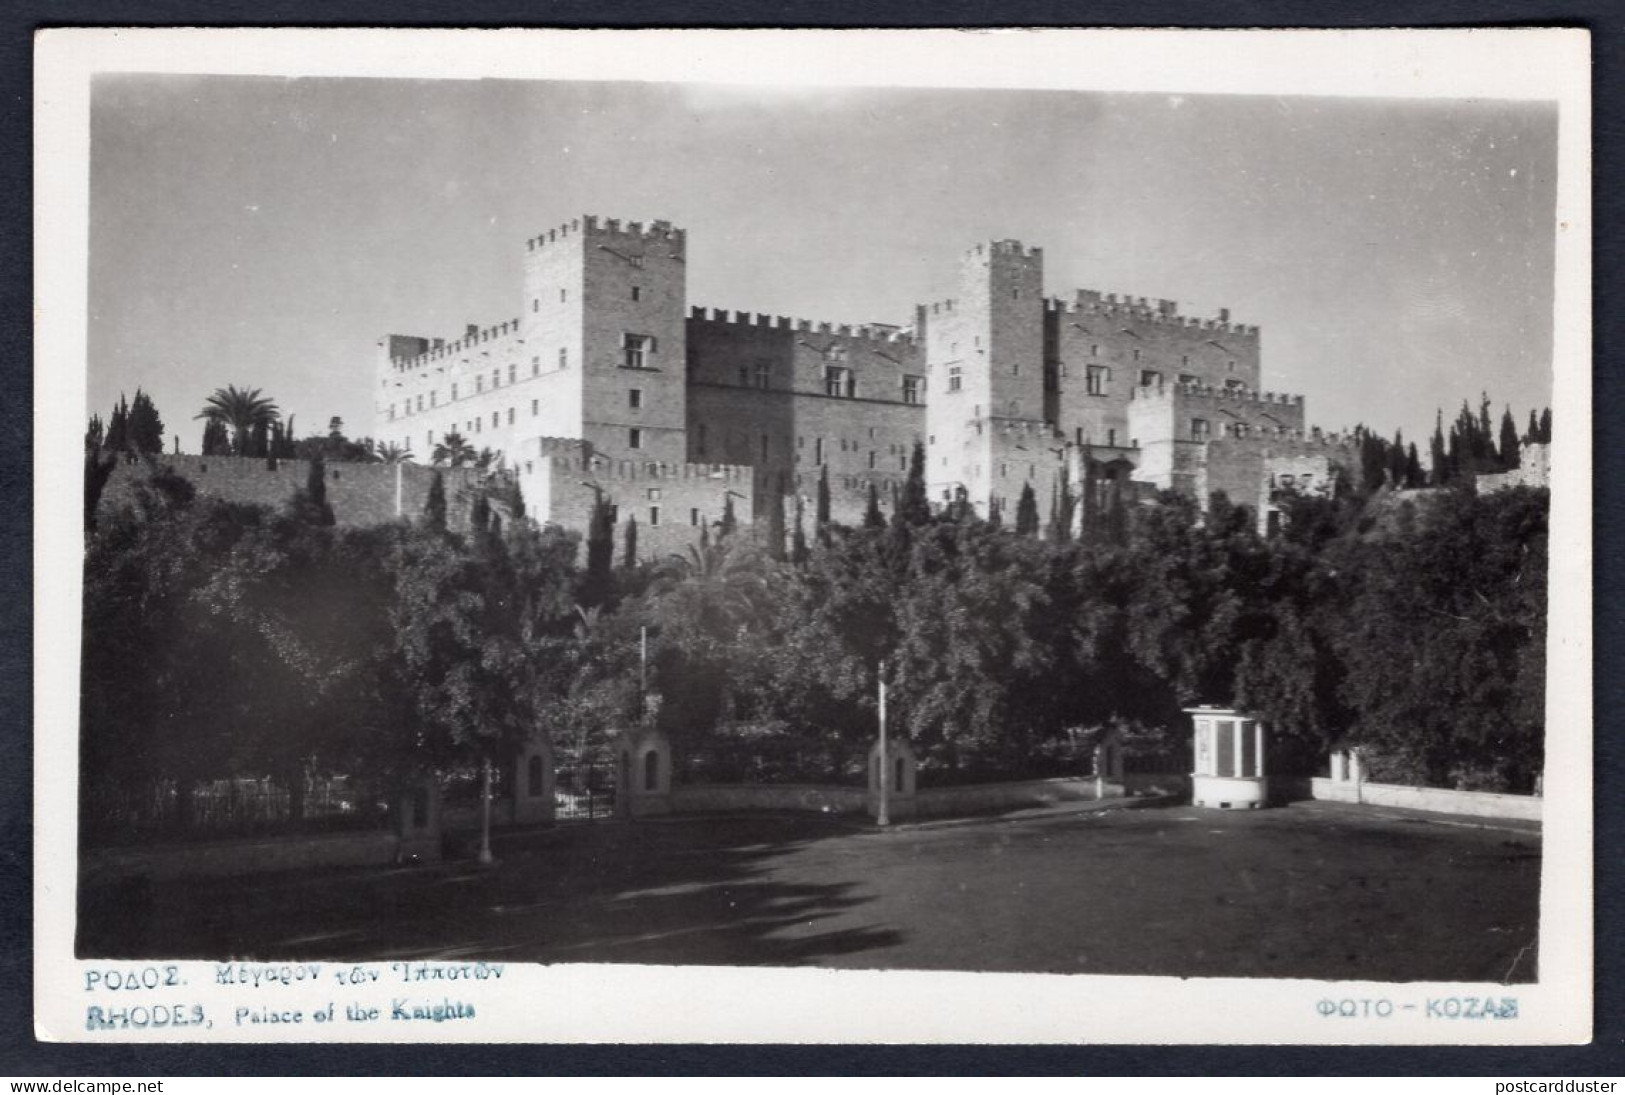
(533, 776)
(651, 770)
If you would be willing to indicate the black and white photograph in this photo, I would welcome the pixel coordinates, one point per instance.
(669, 516)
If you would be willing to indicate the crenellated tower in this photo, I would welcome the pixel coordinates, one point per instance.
(985, 425)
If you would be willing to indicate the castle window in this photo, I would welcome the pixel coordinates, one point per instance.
(529, 467)
(634, 438)
(654, 515)
(1150, 378)
(1136, 353)
(1187, 378)
(1015, 369)
(764, 446)
(871, 460)
(1200, 429)
(513, 373)
(911, 388)
(420, 402)
(392, 412)
(955, 380)
(434, 398)
(1094, 349)
(564, 294)
(761, 374)
(454, 391)
(634, 398)
(564, 358)
(818, 450)
(535, 407)
(478, 422)
(428, 440)
(510, 416)
(1111, 438)
(637, 293)
(801, 442)
(1231, 366)
(536, 304)
(694, 517)
(654, 494)
(1096, 377)
(1015, 294)
(636, 261)
(1185, 359)
(496, 419)
(479, 384)
(839, 382)
(496, 378)
(637, 350)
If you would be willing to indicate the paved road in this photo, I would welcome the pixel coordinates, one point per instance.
(1315, 890)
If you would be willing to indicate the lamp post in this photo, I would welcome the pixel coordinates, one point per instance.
(882, 814)
(485, 813)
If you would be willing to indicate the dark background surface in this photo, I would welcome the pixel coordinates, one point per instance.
(22, 1057)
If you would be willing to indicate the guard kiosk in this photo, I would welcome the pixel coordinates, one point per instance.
(1229, 769)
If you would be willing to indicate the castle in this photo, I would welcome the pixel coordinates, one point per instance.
(607, 383)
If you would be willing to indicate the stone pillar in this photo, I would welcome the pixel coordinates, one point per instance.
(417, 822)
(902, 769)
(532, 790)
(1339, 766)
(646, 766)
(1357, 774)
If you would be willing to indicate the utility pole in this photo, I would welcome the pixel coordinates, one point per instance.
(485, 813)
(882, 814)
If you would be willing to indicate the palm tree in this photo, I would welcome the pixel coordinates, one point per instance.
(244, 410)
(391, 452)
(453, 450)
(489, 460)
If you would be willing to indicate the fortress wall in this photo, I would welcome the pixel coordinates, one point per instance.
(730, 423)
(727, 347)
(360, 494)
(686, 495)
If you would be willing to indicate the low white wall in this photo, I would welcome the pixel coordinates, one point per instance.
(940, 801)
(1433, 799)
(706, 798)
(372, 847)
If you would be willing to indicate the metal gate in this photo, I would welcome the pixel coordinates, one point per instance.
(584, 792)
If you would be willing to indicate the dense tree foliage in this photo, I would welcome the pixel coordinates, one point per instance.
(225, 641)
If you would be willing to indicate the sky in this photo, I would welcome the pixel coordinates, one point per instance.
(266, 232)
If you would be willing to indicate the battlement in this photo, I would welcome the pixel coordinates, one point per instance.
(567, 454)
(597, 226)
(474, 336)
(1013, 248)
(863, 332)
(1166, 390)
(1093, 302)
(1281, 441)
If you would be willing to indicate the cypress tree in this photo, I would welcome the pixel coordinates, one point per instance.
(798, 544)
(1509, 440)
(1546, 426)
(479, 514)
(259, 441)
(872, 517)
(1413, 468)
(598, 582)
(1437, 460)
(95, 433)
(729, 521)
(145, 430)
(434, 509)
(118, 438)
(915, 507)
(1027, 512)
(775, 520)
(1532, 434)
(995, 518)
(216, 441)
(705, 537)
(630, 560)
(821, 514)
(316, 487)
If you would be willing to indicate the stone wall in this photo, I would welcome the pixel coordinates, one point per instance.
(706, 798)
(1431, 799)
(671, 502)
(360, 494)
